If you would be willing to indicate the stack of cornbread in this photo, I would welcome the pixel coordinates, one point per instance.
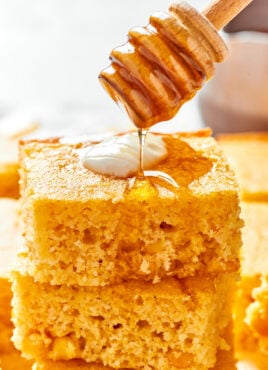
(119, 276)
(248, 155)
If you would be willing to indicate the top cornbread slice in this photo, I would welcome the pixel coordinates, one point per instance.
(89, 229)
(247, 154)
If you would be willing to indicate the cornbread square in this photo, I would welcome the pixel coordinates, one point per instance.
(88, 229)
(251, 303)
(169, 325)
(247, 154)
(9, 168)
(10, 239)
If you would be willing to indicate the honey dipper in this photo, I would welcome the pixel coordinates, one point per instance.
(165, 63)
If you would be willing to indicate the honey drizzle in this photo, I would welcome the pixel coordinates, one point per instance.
(142, 137)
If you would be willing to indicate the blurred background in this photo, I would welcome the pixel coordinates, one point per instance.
(52, 51)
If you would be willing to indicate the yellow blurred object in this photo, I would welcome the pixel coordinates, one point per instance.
(10, 358)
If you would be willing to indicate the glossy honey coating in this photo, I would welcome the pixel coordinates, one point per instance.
(163, 64)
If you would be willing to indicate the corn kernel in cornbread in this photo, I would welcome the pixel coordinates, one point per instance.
(247, 154)
(88, 229)
(251, 304)
(174, 324)
(10, 358)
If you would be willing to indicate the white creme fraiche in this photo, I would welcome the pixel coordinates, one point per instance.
(119, 155)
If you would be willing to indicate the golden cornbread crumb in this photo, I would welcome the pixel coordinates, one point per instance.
(10, 358)
(251, 304)
(247, 154)
(174, 324)
(87, 229)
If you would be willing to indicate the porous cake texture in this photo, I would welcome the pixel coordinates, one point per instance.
(251, 304)
(91, 230)
(247, 154)
(174, 324)
(10, 239)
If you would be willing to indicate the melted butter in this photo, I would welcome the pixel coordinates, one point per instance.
(119, 155)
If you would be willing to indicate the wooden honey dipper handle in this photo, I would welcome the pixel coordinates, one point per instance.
(221, 12)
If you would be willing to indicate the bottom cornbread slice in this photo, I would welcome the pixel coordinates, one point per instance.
(251, 299)
(173, 324)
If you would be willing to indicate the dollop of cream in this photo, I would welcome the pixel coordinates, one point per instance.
(119, 155)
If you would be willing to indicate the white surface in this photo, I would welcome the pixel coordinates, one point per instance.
(51, 53)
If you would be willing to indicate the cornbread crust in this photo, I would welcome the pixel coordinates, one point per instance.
(251, 303)
(247, 154)
(78, 232)
(137, 324)
(10, 358)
